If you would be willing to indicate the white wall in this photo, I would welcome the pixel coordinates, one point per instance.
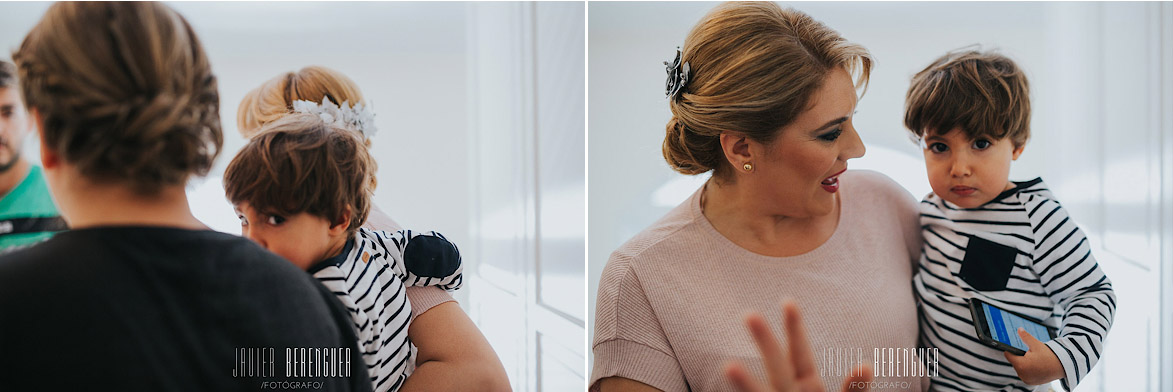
(527, 121)
(1086, 144)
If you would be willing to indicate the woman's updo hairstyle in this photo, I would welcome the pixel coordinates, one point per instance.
(125, 92)
(275, 97)
(753, 68)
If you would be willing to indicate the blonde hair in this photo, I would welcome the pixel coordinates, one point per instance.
(753, 68)
(125, 90)
(274, 98)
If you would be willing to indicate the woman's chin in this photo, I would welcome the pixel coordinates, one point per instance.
(821, 205)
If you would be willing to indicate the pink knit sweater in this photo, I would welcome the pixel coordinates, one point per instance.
(672, 299)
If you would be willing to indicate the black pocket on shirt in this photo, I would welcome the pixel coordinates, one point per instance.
(987, 264)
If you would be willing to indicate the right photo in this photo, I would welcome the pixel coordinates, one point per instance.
(880, 196)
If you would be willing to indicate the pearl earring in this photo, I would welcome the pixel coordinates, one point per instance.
(748, 166)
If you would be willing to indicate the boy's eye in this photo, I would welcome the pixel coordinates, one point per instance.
(938, 147)
(276, 220)
(243, 220)
(831, 136)
(981, 144)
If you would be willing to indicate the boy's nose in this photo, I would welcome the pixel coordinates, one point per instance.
(960, 167)
(251, 234)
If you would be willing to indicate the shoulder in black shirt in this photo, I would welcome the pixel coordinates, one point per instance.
(147, 308)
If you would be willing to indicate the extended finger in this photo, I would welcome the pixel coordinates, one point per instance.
(741, 379)
(802, 357)
(779, 372)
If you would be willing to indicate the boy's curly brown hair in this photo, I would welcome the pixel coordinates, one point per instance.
(299, 163)
(985, 94)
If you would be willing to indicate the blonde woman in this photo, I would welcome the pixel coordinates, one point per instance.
(763, 97)
(139, 295)
(453, 354)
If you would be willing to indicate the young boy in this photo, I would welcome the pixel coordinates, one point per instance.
(1009, 244)
(301, 190)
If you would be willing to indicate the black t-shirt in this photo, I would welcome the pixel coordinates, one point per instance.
(147, 308)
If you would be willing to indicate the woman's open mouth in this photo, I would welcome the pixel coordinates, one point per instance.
(831, 184)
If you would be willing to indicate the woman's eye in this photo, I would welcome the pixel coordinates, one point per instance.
(938, 147)
(982, 144)
(243, 220)
(831, 136)
(276, 220)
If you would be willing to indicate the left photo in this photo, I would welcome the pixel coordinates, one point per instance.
(292, 196)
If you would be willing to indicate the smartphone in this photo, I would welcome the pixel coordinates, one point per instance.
(998, 328)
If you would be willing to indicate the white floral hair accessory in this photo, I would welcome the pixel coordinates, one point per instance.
(357, 117)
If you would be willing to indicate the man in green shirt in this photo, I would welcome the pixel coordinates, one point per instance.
(27, 212)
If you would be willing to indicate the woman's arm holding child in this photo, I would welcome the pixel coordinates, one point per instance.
(453, 355)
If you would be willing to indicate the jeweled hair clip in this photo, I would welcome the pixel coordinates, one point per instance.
(677, 76)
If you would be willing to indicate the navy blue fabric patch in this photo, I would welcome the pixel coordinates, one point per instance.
(987, 265)
(431, 257)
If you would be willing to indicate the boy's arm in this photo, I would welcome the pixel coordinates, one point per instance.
(423, 258)
(1072, 278)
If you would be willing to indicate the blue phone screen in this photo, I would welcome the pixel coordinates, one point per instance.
(1004, 327)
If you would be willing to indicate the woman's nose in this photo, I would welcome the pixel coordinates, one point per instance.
(855, 147)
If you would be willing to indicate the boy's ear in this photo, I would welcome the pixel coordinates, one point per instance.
(1017, 152)
(342, 223)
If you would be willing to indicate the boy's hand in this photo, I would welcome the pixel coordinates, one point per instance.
(1039, 366)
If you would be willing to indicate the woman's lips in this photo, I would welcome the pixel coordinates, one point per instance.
(831, 184)
(963, 190)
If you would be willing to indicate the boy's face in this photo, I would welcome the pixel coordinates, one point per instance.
(14, 127)
(968, 172)
(303, 239)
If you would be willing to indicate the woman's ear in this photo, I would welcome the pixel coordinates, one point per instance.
(49, 158)
(736, 147)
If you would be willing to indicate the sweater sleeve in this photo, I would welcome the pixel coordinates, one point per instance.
(423, 258)
(629, 341)
(1072, 278)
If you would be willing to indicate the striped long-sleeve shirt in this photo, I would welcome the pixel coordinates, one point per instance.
(1046, 271)
(370, 277)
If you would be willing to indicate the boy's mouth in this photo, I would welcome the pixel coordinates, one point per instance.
(963, 190)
